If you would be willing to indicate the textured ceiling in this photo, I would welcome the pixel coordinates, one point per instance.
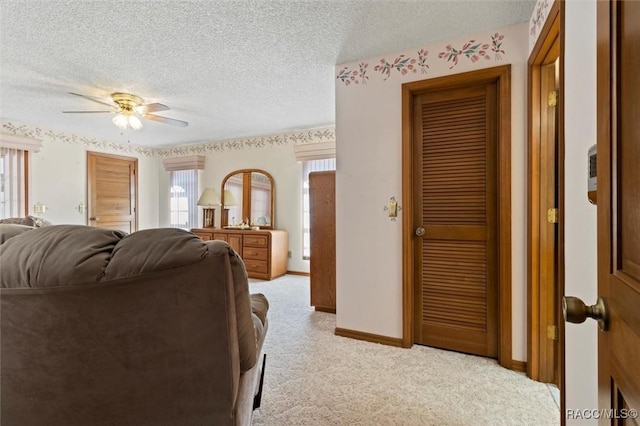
(230, 68)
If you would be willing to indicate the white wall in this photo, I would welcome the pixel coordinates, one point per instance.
(369, 145)
(581, 361)
(59, 175)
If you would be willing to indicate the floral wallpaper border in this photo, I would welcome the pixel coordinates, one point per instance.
(537, 20)
(50, 135)
(322, 134)
(472, 50)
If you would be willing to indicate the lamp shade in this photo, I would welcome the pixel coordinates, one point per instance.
(209, 197)
(229, 199)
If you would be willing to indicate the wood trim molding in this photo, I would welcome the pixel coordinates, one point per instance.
(549, 45)
(302, 274)
(502, 76)
(369, 337)
(520, 366)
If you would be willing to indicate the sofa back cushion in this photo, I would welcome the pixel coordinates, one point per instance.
(160, 348)
(69, 255)
(142, 328)
(58, 255)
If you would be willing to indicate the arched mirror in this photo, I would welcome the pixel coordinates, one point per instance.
(248, 195)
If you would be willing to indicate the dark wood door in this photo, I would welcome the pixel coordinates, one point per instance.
(112, 191)
(456, 300)
(322, 228)
(619, 206)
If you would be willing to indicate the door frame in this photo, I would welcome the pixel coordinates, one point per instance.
(539, 361)
(501, 75)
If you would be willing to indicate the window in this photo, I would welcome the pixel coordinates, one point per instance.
(183, 198)
(13, 187)
(308, 167)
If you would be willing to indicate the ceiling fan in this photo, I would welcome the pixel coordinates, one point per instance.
(128, 110)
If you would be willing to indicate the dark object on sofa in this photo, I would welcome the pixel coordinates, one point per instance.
(103, 328)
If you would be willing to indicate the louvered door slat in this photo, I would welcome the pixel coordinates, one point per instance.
(457, 158)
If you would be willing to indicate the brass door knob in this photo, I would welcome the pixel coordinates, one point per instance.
(574, 310)
(420, 231)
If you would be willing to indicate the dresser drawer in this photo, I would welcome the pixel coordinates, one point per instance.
(256, 240)
(205, 237)
(256, 266)
(255, 253)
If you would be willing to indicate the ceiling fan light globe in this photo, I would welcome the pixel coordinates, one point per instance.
(135, 122)
(120, 120)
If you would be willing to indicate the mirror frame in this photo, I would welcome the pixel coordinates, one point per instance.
(246, 195)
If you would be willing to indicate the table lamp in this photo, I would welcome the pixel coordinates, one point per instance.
(228, 200)
(208, 200)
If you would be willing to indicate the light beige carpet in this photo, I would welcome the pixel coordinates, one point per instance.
(316, 378)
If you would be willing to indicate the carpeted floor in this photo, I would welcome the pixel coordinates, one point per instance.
(316, 378)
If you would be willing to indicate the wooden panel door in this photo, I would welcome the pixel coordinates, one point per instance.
(456, 301)
(619, 207)
(112, 191)
(322, 214)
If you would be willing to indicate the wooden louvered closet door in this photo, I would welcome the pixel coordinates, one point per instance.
(456, 279)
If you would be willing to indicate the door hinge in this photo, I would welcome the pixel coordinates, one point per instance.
(552, 99)
(552, 215)
(552, 332)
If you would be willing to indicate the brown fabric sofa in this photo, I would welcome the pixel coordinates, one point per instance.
(102, 328)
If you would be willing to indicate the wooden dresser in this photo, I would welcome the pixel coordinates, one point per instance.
(265, 252)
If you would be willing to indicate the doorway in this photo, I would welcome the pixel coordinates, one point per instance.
(112, 191)
(457, 216)
(545, 196)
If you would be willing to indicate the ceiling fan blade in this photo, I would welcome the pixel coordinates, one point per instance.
(86, 112)
(165, 120)
(93, 99)
(155, 107)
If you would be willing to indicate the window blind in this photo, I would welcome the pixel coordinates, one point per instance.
(12, 182)
(184, 198)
